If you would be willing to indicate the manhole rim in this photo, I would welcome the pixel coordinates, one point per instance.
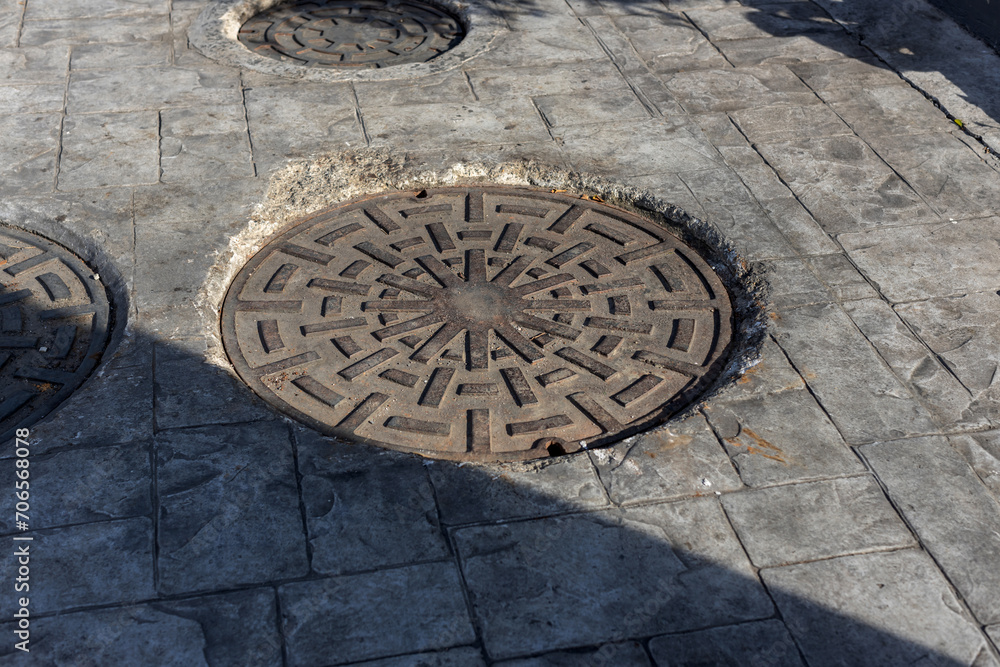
(215, 34)
(106, 319)
(700, 390)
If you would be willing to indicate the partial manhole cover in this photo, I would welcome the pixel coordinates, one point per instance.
(478, 324)
(54, 316)
(352, 33)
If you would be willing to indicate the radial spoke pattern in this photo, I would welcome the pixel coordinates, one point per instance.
(480, 324)
(53, 327)
(352, 33)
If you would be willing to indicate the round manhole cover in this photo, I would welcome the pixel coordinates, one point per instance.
(352, 33)
(53, 327)
(478, 324)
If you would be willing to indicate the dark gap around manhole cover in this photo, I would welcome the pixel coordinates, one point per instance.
(479, 323)
(352, 33)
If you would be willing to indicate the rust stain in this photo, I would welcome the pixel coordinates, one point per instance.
(760, 446)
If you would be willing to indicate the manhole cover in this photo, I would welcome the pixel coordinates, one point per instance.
(352, 33)
(477, 324)
(53, 327)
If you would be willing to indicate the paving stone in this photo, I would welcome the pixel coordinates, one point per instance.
(34, 138)
(239, 628)
(758, 177)
(10, 22)
(797, 224)
(233, 629)
(365, 510)
(58, 32)
(571, 80)
(925, 475)
(452, 86)
(560, 111)
(637, 148)
(476, 494)
(222, 508)
(930, 162)
(965, 251)
(729, 90)
(862, 397)
(323, 119)
(764, 20)
(458, 657)
(731, 208)
(760, 643)
(994, 633)
(32, 98)
(720, 129)
(792, 51)
(204, 143)
(116, 90)
(331, 619)
(884, 608)
(982, 452)
(110, 562)
(626, 653)
(669, 43)
(785, 123)
(543, 47)
(508, 121)
(54, 9)
(219, 201)
(880, 111)
(684, 459)
(84, 419)
(841, 277)
(912, 361)
(33, 65)
(792, 284)
(847, 73)
(120, 56)
(962, 331)
(83, 485)
(129, 153)
(812, 521)
(800, 445)
(647, 570)
(844, 184)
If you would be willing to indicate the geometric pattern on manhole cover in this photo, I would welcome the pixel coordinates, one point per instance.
(53, 327)
(481, 324)
(352, 33)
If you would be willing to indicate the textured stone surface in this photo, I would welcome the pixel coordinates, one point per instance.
(458, 657)
(332, 618)
(533, 587)
(926, 475)
(221, 510)
(86, 565)
(365, 509)
(131, 156)
(81, 485)
(684, 459)
(888, 609)
(982, 451)
(760, 643)
(626, 653)
(802, 522)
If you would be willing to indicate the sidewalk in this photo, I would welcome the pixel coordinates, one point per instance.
(838, 504)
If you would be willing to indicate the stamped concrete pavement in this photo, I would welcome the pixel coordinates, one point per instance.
(837, 504)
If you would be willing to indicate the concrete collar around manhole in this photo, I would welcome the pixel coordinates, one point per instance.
(345, 40)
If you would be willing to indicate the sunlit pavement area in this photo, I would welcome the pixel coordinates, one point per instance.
(835, 505)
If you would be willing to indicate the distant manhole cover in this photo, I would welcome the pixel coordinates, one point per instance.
(54, 319)
(478, 323)
(352, 33)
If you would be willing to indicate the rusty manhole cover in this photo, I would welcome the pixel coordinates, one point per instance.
(54, 317)
(478, 323)
(352, 33)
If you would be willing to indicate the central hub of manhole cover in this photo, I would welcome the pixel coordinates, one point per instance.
(54, 317)
(352, 33)
(478, 324)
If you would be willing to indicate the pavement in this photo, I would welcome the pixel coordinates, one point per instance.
(837, 504)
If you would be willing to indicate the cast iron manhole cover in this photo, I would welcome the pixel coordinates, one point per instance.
(352, 33)
(477, 323)
(53, 327)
